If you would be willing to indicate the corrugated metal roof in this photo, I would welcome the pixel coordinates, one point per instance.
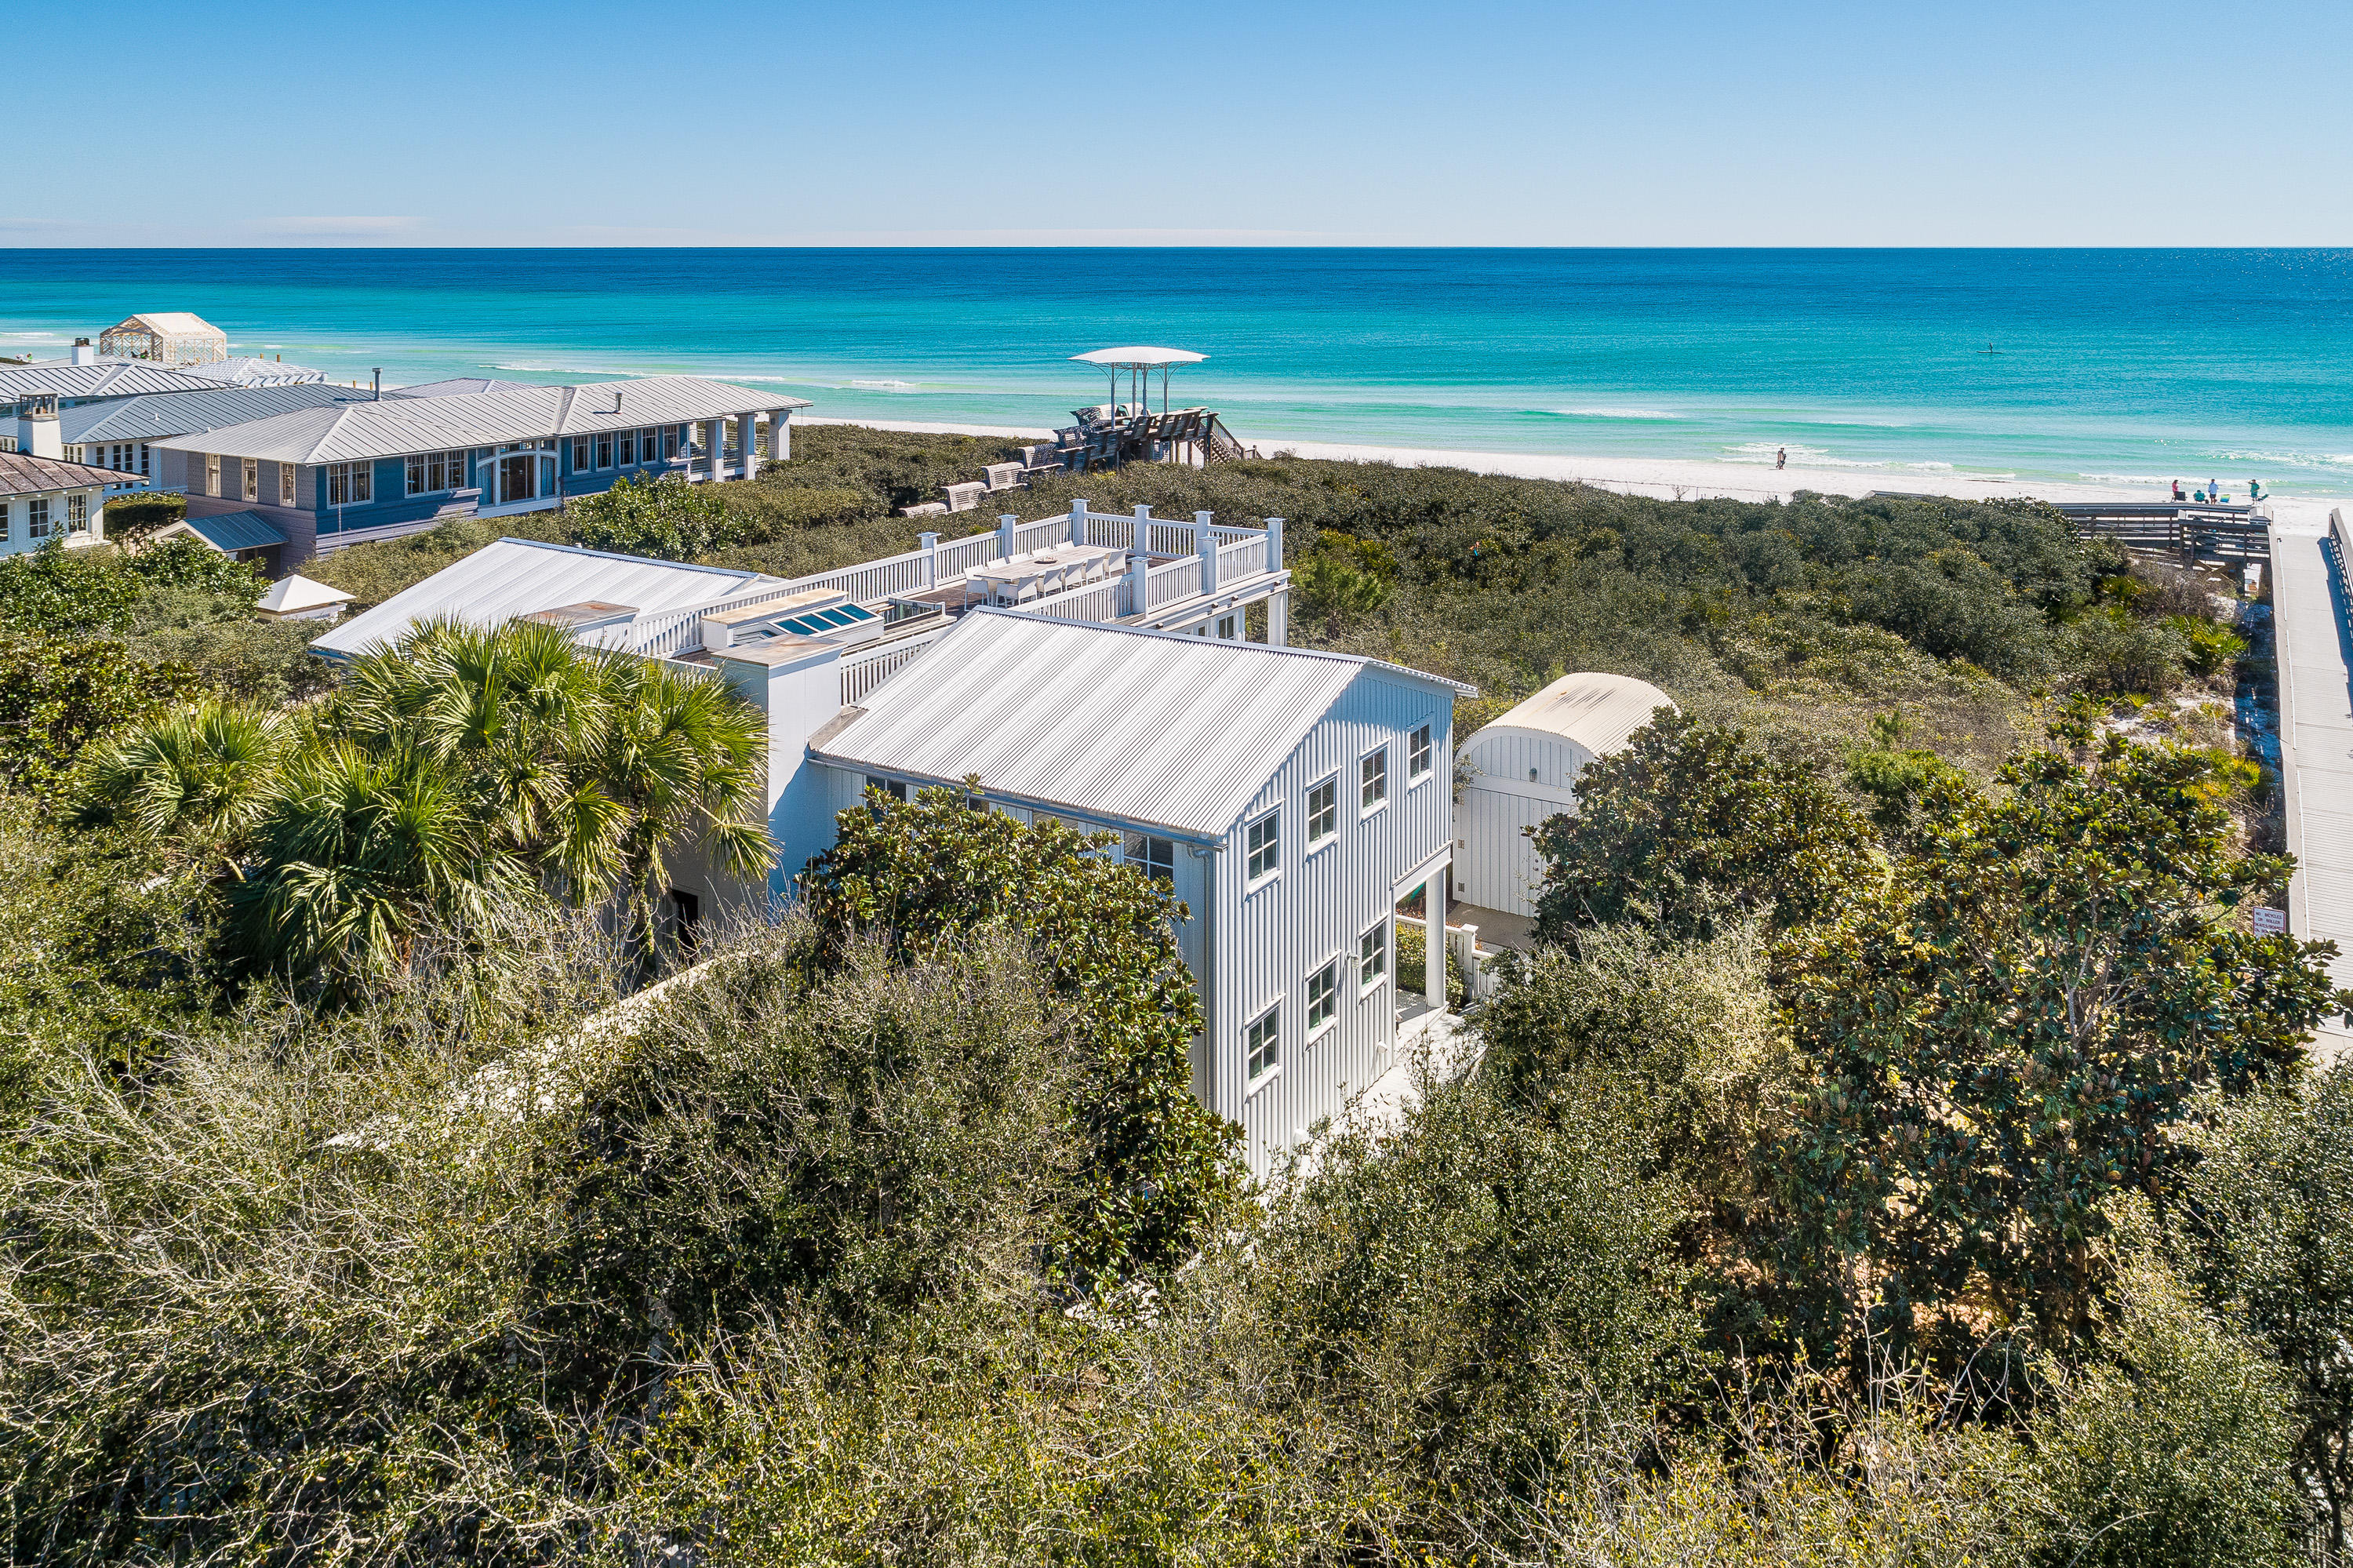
(229, 532)
(252, 370)
(1140, 726)
(159, 414)
(516, 577)
(104, 378)
(456, 385)
(1596, 711)
(21, 473)
(398, 426)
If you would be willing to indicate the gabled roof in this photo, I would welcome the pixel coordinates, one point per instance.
(458, 383)
(170, 323)
(229, 532)
(1596, 711)
(252, 370)
(103, 378)
(159, 414)
(21, 473)
(511, 577)
(398, 426)
(1140, 726)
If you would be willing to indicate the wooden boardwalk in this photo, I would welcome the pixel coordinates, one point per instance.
(2315, 647)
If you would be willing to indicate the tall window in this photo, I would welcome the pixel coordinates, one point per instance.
(580, 454)
(37, 518)
(629, 449)
(1323, 811)
(348, 483)
(1418, 753)
(1156, 858)
(604, 451)
(7, 520)
(670, 441)
(253, 479)
(1373, 955)
(77, 513)
(1263, 1040)
(1323, 992)
(286, 472)
(212, 473)
(1265, 843)
(1375, 780)
(142, 460)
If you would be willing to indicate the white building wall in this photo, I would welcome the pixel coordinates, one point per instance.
(1272, 936)
(1496, 863)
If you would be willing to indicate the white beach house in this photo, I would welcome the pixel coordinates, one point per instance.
(1098, 669)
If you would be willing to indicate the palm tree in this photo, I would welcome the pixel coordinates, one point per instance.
(208, 771)
(679, 759)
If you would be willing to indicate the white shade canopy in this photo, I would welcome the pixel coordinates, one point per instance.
(1140, 357)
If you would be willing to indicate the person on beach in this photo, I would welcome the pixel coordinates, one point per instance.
(1781, 458)
(2254, 490)
(2177, 491)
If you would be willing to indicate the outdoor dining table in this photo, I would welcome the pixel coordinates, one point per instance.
(1045, 572)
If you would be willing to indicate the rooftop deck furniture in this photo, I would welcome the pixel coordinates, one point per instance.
(1044, 572)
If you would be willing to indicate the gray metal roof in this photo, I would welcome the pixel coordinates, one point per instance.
(104, 378)
(21, 473)
(158, 414)
(398, 426)
(252, 370)
(229, 532)
(458, 383)
(1140, 726)
(509, 577)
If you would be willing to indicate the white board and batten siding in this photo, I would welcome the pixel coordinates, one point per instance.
(1523, 770)
(1273, 934)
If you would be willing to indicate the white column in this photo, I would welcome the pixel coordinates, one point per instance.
(1274, 543)
(1079, 522)
(749, 424)
(780, 434)
(1006, 523)
(1433, 933)
(1278, 618)
(1141, 543)
(1205, 543)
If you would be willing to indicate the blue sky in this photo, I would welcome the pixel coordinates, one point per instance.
(892, 122)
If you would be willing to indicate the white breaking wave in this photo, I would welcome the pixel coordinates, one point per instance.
(884, 385)
(1614, 413)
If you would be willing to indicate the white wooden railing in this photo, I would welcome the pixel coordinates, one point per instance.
(864, 670)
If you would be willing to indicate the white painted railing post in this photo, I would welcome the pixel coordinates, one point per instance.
(930, 545)
(1205, 540)
(1140, 543)
(1278, 620)
(1079, 522)
(1139, 582)
(1006, 523)
(1274, 543)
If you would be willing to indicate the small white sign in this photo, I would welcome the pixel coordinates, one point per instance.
(2267, 922)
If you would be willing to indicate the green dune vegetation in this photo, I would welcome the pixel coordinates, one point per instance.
(1899, 1149)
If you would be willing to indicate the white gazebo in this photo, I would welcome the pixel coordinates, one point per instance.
(1139, 363)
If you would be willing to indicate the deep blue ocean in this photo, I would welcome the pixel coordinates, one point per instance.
(2130, 366)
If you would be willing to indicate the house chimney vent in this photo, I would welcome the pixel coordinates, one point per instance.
(82, 352)
(38, 433)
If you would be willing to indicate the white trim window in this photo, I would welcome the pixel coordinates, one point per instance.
(581, 448)
(1323, 811)
(1323, 997)
(37, 517)
(252, 477)
(1262, 1045)
(1418, 753)
(77, 514)
(1156, 858)
(1265, 846)
(670, 441)
(286, 472)
(430, 473)
(889, 788)
(1373, 957)
(1373, 774)
(348, 483)
(7, 520)
(212, 473)
(628, 456)
(605, 451)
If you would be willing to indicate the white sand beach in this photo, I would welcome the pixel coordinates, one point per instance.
(1689, 480)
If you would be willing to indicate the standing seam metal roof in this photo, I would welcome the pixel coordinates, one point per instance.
(509, 578)
(156, 415)
(118, 377)
(1152, 728)
(398, 426)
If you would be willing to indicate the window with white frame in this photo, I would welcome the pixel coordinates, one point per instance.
(1262, 1042)
(1226, 628)
(1373, 956)
(629, 456)
(212, 473)
(348, 483)
(889, 788)
(77, 513)
(580, 454)
(1417, 753)
(37, 518)
(1322, 812)
(286, 472)
(1156, 858)
(1323, 995)
(7, 520)
(142, 460)
(1265, 844)
(1375, 780)
(648, 446)
(604, 451)
(253, 479)
(432, 473)
(670, 441)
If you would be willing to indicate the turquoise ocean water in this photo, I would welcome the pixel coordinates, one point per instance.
(2112, 367)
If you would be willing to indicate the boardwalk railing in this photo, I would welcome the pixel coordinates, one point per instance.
(868, 667)
(2188, 528)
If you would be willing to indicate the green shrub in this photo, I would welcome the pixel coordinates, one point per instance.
(666, 518)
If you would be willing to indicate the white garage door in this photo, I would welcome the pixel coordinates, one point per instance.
(1496, 866)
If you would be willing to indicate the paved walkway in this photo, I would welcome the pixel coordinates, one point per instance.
(2316, 682)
